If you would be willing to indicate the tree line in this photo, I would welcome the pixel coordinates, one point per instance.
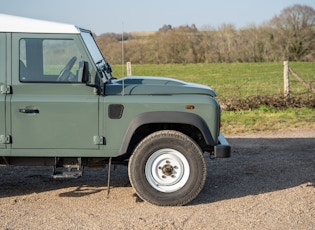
(287, 36)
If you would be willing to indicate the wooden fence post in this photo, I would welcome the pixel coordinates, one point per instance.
(286, 81)
(129, 71)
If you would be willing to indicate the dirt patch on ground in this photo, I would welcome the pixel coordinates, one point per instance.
(269, 183)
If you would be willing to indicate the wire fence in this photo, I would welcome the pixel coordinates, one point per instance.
(235, 80)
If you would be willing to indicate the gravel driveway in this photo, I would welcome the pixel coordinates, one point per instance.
(269, 183)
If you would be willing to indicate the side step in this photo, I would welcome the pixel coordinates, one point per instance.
(67, 167)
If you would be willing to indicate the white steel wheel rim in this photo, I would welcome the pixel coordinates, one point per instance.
(167, 170)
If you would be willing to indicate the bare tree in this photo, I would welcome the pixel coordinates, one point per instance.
(289, 35)
(227, 41)
(296, 27)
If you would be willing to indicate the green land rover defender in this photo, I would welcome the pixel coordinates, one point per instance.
(60, 106)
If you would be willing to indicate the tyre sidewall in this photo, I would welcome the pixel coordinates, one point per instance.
(188, 148)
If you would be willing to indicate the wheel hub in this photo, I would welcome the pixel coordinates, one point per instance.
(167, 170)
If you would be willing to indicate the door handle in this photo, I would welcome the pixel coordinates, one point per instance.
(29, 111)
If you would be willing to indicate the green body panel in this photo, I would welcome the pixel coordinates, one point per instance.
(115, 129)
(156, 86)
(71, 115)
(67, 118)
(67, 115)
(2, 84)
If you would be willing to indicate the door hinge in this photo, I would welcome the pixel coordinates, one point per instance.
(5, 139)
(5, 89)
(98, 140)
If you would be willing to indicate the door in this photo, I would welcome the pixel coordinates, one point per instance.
(3, 86)
(51, 108)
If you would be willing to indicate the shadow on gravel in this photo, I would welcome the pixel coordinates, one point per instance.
(16, 181)
(260, 165)
(257, 165)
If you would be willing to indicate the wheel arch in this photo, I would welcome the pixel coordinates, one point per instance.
(165, 118)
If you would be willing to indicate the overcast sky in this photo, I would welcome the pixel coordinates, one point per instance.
(102, 16)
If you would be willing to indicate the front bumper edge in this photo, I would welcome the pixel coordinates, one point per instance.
(223, 149)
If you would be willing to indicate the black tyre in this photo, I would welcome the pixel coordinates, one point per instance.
(167, 168)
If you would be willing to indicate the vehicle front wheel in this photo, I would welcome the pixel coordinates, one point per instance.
(167, 168)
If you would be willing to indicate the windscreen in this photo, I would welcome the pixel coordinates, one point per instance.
(92, 47)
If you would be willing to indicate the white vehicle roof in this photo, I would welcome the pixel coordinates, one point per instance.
(10, 23)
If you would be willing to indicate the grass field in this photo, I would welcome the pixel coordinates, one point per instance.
(267, 119)
(239, 80)
(232, 79)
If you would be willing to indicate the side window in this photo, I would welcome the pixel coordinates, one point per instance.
(49, 60)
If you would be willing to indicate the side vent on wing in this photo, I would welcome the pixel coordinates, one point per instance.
(115, 111)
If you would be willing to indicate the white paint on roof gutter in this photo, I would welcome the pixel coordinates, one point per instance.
(9, 23)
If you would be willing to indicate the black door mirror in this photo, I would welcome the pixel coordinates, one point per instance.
(85, 72)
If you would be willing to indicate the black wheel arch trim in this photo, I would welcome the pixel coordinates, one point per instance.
(166, 117)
